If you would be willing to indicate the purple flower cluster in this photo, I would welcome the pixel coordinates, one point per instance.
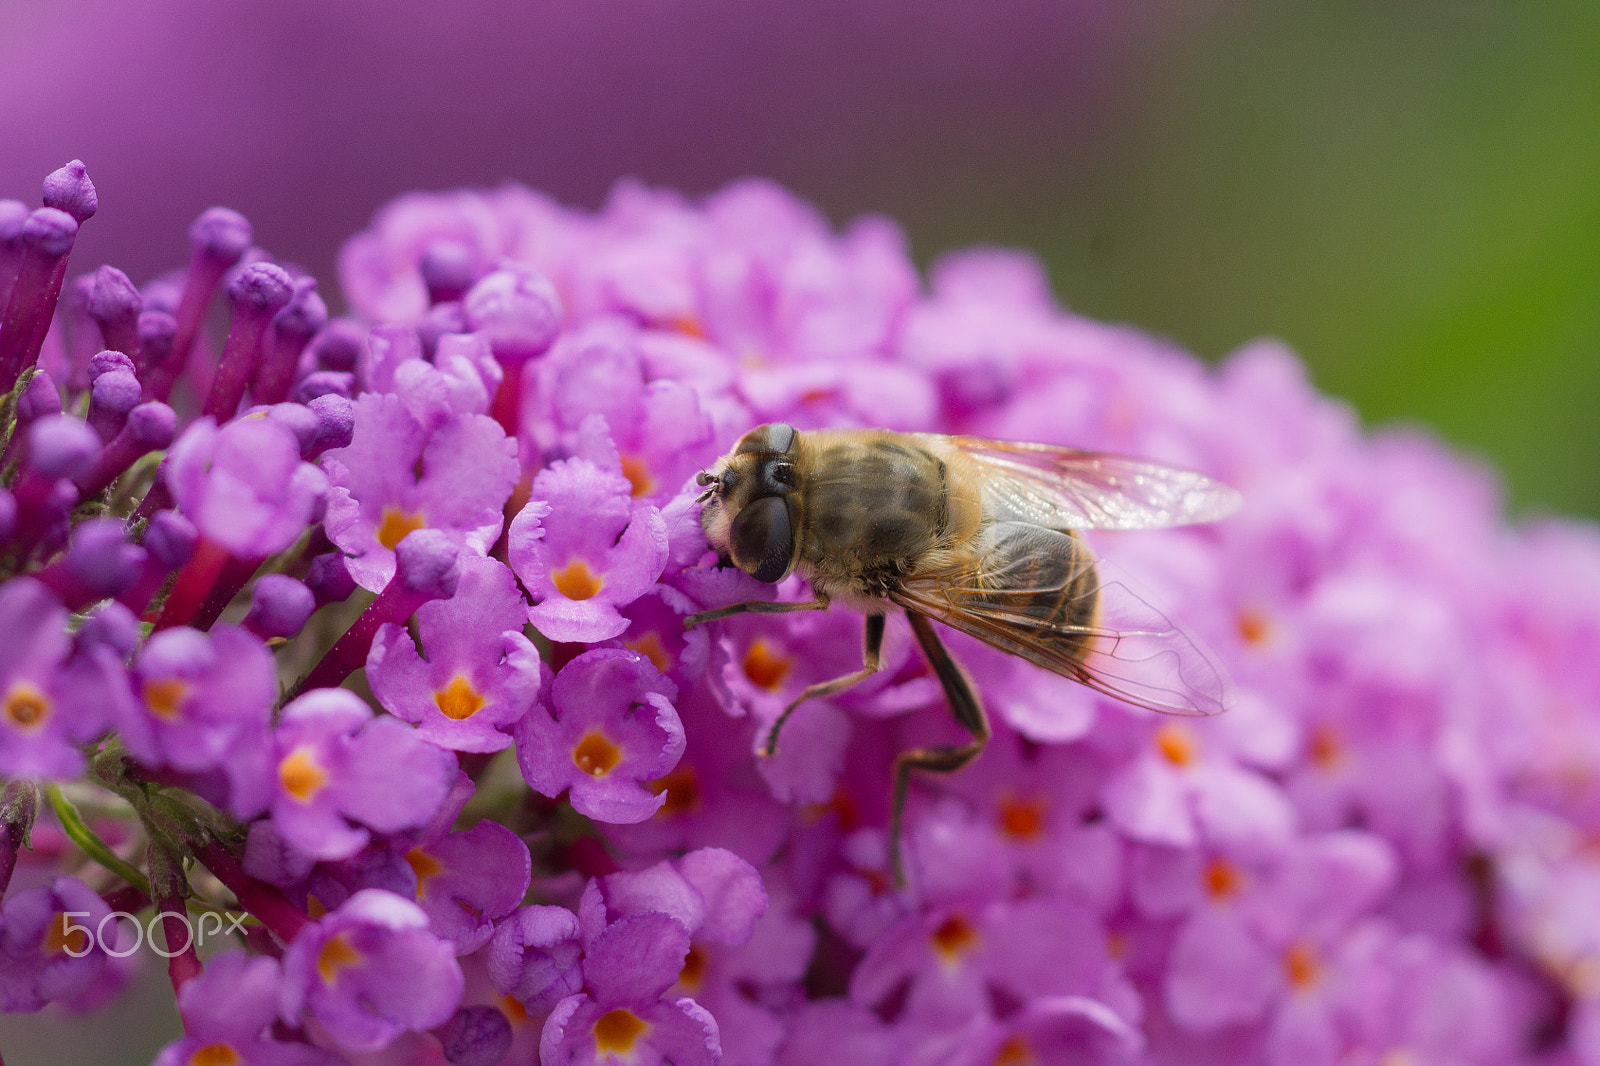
(374, 626)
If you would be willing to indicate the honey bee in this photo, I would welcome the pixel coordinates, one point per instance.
(977, 534)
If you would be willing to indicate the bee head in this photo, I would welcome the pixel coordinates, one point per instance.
(748, 510)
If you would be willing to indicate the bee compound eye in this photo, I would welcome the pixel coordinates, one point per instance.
(762, 538)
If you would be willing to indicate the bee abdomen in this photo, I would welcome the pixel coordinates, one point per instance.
(1045, 575)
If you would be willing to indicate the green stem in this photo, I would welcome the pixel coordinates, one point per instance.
(73, 825)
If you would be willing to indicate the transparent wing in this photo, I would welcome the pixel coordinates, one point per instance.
(1040, 594)
(1064, 488)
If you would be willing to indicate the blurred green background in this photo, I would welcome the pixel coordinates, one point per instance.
(1408, 193)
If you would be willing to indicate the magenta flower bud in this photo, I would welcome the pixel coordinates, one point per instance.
(336, 423)
(257, 293)
(99, 562)
(292, 328)
(149, 427)
(279, 607)
(8, 515)
(61, 446)
(112, 396)
(169, 542)
(69, 189)
(13, 215)
(217, 239)
(113, 627)
(39, 400)
(109, 360)
(157, 368)
(338, 347)
(517, 309)
(47, 237)
(475, 1036)
(448, 269)
(325, 383)
(115, 304)
(170, 539)
(330, 579)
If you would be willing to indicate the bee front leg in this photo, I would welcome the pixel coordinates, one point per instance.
(757, 607)
(968, 709)
(871, 653)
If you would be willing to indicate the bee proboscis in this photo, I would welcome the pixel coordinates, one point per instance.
(980, 535)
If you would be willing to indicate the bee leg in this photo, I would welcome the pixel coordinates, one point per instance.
(968, 709)
(757, 607)
(870, 655)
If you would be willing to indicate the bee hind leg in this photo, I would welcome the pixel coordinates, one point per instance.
(757, 607)
(968, 709)
(871, 654)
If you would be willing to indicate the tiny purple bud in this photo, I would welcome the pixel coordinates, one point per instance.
(517, 309)
(112, 626)
(298, 419)
(61, 446)
(325, 383)
(448, 269)
(69, 189)
(330, 579)
(475, 1036)
(149, 427)
(336, 422)
(113, 394)
(279, 607)
(40, 399)
(115, 304)
(170, 539)
(99, 562)
(156, 332)
(292, 328)
(13, 214)
(338, 347)
(217, 239)
(47, 237)
(109, 360)
(257, 293)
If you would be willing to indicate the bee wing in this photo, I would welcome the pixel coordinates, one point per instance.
(1040, 594)
(1064, 488)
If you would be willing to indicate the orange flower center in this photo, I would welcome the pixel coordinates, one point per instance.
(1222, 879)
(215, 1055)
(1176, 745)
(302, 778)
(458, 700)
(649, 645)
(26, 707)
(1301, 965)
(336, 955)
(165, 698)
(596, 754)
(396, 524)
(954, 938)
(1254, 626)
(1326, 750)
(64, 935)
(514, 1011)
(1014, 1052)
(616, 1031)
(765, 667)
(1022, 819)
(576, 581)
(682, 788)
(694, 969)
(424, 866)
(637, 471)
